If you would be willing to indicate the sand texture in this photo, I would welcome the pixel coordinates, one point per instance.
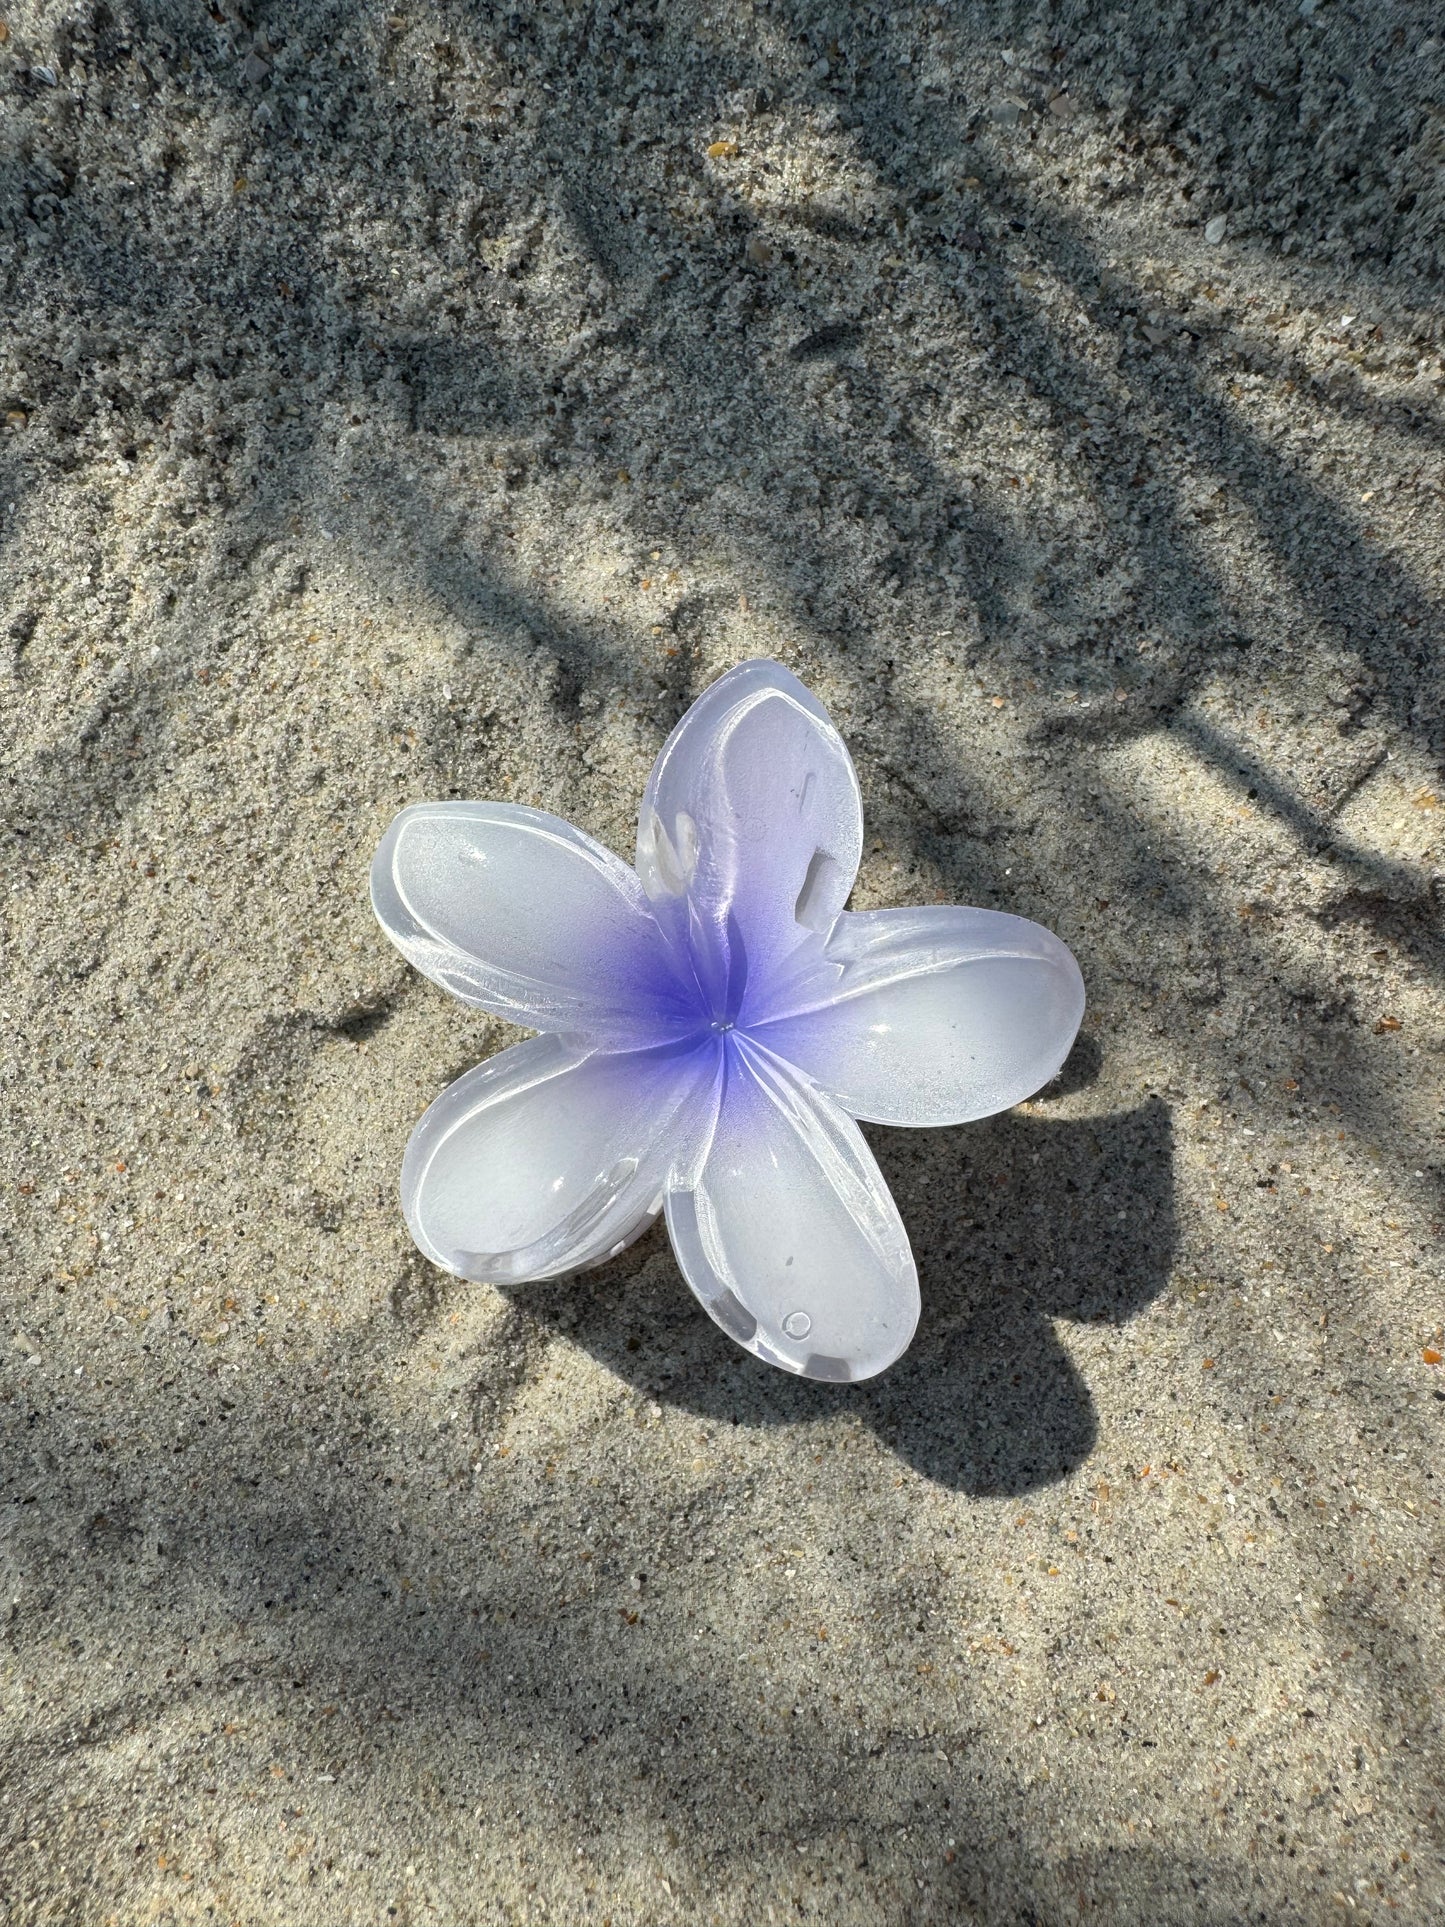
(430, 400)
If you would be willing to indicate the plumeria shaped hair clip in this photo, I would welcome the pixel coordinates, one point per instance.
(711, 1024)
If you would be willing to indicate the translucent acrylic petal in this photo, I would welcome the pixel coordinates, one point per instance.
(789, 1235)
(521, 913)
(932, 1016)
(549, 1157)
(750, 829)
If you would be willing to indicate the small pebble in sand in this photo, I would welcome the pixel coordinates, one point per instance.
(1214, 230)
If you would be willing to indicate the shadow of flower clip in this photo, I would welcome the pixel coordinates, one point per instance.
(711, 1025)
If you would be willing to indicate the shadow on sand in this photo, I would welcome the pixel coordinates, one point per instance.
(1016, 1223)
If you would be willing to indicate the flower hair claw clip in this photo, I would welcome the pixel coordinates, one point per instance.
(712, 1023)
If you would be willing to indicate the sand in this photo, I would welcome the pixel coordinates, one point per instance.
(430, 402)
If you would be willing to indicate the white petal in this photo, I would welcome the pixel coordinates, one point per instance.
(549, 1157)
(789, 1236)
(525, 915)
(751, 827)
(933, 1016)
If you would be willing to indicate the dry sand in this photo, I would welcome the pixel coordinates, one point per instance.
(430, 401)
